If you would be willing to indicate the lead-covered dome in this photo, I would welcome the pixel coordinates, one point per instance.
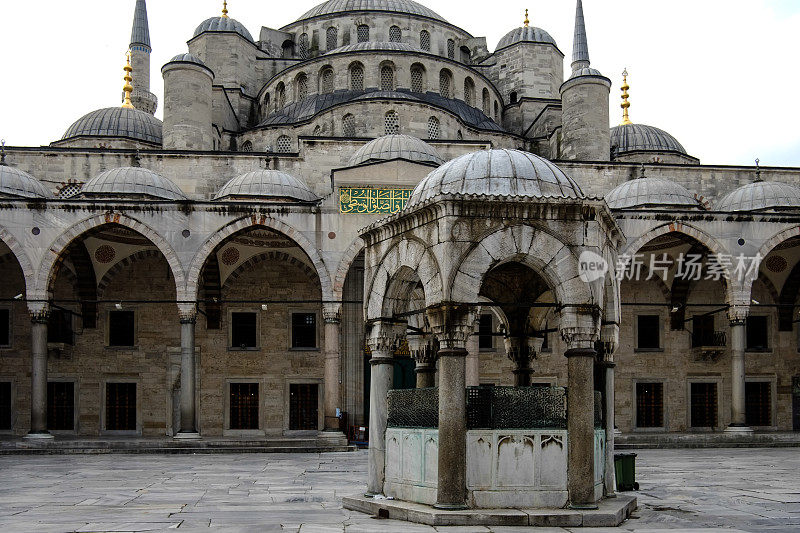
(651, 192)
(394, 147)
(375, 46)
(761, 196)
(526, 34)
(407, 7)
(223, 24)
(188, 58)
(266, 184)
(497, 173)
(132, 182)
(15, 183)
(117, 122)
(639, 137)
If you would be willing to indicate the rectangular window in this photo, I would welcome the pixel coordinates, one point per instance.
(648, 332)
(757, 334)
(5, 406)
(121, 328)
(702, 331)
(485, 329)
(703, 405)
(5, 327)
(303, 406)
(244, 406)
(60, 406)
(59, 327)
(546, 343)
(304, 330)
(758, 403)
(244, 330)
(649, 405)
(121, 406)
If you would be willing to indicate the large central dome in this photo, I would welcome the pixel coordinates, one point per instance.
(391, 6)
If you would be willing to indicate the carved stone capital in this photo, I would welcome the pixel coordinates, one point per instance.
(332, 313)
(452, 325)
(737, 314)
(609, 336)
(580, 326)
(384, 337)
(423, 349)
(522, 351)
(39, 312)
(187, 312)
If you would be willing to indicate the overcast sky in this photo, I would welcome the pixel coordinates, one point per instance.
(720, 75)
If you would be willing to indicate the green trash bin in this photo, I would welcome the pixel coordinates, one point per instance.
(625, 469)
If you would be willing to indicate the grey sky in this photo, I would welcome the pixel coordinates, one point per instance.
(717, 74)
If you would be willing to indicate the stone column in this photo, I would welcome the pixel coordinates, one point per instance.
(383, 338)
(333, 386)
(610, 340)
(738, 319)
(473, 376)
(39, 317)
(188, 316)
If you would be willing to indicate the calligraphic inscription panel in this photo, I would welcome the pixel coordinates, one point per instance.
(366, 200)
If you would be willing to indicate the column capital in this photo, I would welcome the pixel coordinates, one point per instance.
(522, 351)
(423, 349)
(609, 336)
(579, 326)
(384, 337)
(452, 324)
(187, 312)
(332, 313)
(39, 312)
(737, 314)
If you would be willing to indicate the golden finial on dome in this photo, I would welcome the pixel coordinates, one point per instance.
(526, 19)
(625, 103)
(128, 88)
(225, 9)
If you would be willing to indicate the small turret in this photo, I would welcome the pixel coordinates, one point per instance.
(188, 104)
(140, 49)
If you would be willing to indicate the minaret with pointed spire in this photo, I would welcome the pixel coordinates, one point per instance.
(586, 135)
(140, 49)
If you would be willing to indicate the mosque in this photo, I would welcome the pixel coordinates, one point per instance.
(341, 208)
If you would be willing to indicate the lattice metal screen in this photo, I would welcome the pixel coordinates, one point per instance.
(332, 38)
(392, 123)
(425, 40)
(284, 144)
(302, 87)
(451, 48)
(349, 126)
(416, 80)
(444, 84)
(433, 128)
(395, 35)
(469, 93)
(363, 33)
(327, 81)
(357, 78)
(302, 46)
(387, 79)
(414, 408)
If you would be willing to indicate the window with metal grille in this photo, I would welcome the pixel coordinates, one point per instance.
(349, 125)
(59, 327)
(121, 328)
(243, 406)
(649, 405)
(302, 46)
(395, 35)
(61, 406)
(391, 123)
(357, 78)
(327, 81)
(758, 403)
(444, 84)
(703, 405)
(425, 40)
(303, 406)
(469, 92)
(280, 96)
(70, 189)
(451, 48)
(433, 128)
(5, 327)
(417, 77)
(304, 330)
(485, 331)
(757, 334)
(362, 33)
(5, 406)
(121, 406)
(546, 346)
(648, 332)
(302, 86)
(244, 330)
(387, 78)
(332, 38)
(284, 144)
(487, 106)
(247, 146)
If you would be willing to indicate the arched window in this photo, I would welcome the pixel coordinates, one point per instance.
(445, 79)
(433, 128)
(425, 40)
(356, 77)
(417, 79)
(302, 86)
(284, 144)
(247, 146)
(288, 49)
(469, 92)
(265, 105)
(391, 123)
(487, 106)
(387, 78)
(465, 55)
(513, 97)
(326, 81)
(280, 96)
(395, 35)
(460, 136)
(496, 111)
(362, 33)
(332, 38)
(451, 48)
(349, 125)
(302, 45)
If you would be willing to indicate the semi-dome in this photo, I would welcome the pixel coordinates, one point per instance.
(119, 122)
(187, 58)
(639, 137)
(223, 24)
(267, 184)
(396, 146)
(382, 46)
(407, 7)
(761, 196)
(651, 192)
(16, 183)
(526, 34)
(132, 182)
(497, 173)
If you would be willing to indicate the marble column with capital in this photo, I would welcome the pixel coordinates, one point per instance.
(738, 321)
(188, 399)
(423, 349)
(40, 314)
(610, 338)
(332, 316)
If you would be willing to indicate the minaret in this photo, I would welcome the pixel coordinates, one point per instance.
(142, 98)
(585, 134)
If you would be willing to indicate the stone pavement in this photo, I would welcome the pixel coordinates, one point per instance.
(686, 490)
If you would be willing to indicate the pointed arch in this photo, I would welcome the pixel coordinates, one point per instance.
(350, 254)
(20, 255)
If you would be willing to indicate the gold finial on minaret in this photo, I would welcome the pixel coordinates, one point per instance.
(625, 103)
(128, 88)
(526, 19)
(225, 9)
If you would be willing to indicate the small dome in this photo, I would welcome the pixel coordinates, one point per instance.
(375, 46)
(18, 184)
(761, 196)
(394, 147)
(271, 184)
(585, 71)
(407, 7)
(187, 58)
(638, 137)
(132, 182)
(223, 24)
(526, 34)
(117, 122)
(497, 173)
(650, 192)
